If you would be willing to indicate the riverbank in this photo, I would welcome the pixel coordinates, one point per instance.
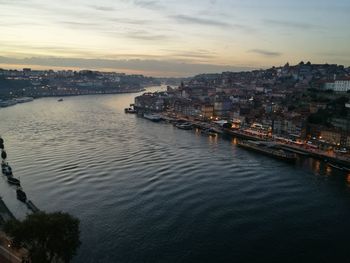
(7, 252)
(301, 150)
(15, 101)
(5, 213)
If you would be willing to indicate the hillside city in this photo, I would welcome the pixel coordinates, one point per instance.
(301, 104)
(44, 83)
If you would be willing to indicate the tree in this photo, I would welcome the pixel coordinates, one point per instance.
(48, 237)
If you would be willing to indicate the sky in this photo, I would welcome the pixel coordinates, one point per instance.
(172, 37)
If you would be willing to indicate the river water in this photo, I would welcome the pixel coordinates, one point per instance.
(149, 192)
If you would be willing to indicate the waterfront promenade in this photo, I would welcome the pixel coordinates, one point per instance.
(7, 252)
(248, 134)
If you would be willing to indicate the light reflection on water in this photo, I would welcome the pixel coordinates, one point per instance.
(149, 192)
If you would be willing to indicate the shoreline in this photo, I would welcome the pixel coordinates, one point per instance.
(5, 212)
(240, 134)
(143, 89)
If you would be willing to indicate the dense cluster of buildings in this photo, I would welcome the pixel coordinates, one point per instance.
(39, 83)
(305, 102)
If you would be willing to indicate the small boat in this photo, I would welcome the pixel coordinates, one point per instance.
(261, 147)
(335, 166)
(12, 180)
(59, 100)
(209, 132)
(184, 126)
(21, 195)
(3, 154)
(7, 103)
(4, 164)
(152, 117)
(6, 170)
(130, 110)
(32, 207)
(24, 99)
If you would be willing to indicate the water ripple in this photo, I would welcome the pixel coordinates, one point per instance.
(148, 192)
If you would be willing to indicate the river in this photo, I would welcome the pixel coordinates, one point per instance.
(149, 192)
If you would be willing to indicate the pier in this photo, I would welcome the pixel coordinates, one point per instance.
(5, 213)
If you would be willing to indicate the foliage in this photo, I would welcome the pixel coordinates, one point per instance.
(49, 237)
(291, 108)
(321, 117)
(227, 125)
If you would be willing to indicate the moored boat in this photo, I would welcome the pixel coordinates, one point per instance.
(24, 99)
(3, 154)
(12, 180)
(184, 126)
(7, 103)
(32, 207)
(21, 195)
(270, 151)
(130, 110)
(336, 166)
(152, 117)
(4, 164)
(6, 170)
(209, 132)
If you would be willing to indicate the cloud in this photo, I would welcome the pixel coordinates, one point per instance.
(131, 21)
(149, 4)
(199, 54)
(102, 8)
(145, 35)
(144, 66)
(138, 35)
(265, 53)
(199, 21)
(290, 24)
(78, 24)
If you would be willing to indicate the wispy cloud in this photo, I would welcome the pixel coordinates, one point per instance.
(265, 53)
(80, 25)
(199, 21)
(102, 8)
(290, 24)
(149, 4)
(196, 54)
(131, 21)
(76, 23)
(138, 35)
(160, 67)
(144, 35)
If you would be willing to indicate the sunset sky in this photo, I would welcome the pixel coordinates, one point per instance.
(172, 37)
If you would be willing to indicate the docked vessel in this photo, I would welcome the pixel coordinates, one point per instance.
(152, 117)
(130, 110)
(24, 99)
(184, 126)
(12, 180)
(21, 195)
(6, 170)
(7, 103)
(209, 132)
(341, 168)
(261, 147)
(32, 207)
(3, 154)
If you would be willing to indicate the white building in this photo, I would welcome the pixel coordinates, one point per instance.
(338, 85)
